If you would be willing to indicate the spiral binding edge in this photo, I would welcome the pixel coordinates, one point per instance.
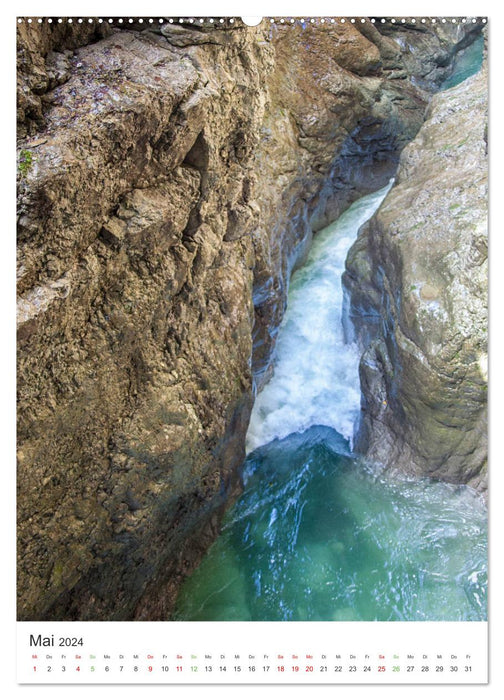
(219, 22)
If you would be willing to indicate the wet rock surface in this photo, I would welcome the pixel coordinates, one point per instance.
(169, 181)
(417, 279)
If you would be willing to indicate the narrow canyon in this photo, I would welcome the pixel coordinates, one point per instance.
(171, 179)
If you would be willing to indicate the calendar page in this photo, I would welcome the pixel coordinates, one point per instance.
(252, 349)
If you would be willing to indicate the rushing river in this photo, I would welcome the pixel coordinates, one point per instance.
(316, 535)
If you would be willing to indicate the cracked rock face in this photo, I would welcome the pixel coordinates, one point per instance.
(417, 278)
(134, 333)
(169, 181)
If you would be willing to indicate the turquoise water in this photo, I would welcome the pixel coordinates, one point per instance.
(316, 535)
(468, 62)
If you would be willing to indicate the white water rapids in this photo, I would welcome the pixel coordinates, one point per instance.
(316, 375)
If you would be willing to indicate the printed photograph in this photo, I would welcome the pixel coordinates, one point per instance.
(252, 313)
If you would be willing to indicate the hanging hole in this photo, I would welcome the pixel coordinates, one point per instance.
(251, 21)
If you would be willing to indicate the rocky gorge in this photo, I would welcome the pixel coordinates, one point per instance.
(417, 281)
(170, 179)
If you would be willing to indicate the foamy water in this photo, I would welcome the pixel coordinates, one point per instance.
(316, 375)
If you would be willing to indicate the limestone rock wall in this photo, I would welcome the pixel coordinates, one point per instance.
(417, 279)
(135, 312)
(169, 180)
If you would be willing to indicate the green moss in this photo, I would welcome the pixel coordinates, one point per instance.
(25, 163)
(449, 146)
(57, 573)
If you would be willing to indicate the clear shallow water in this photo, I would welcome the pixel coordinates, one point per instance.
(316, 535)
(468, 62)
